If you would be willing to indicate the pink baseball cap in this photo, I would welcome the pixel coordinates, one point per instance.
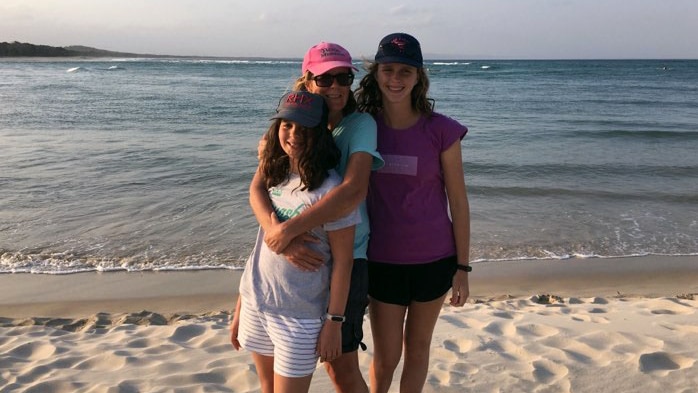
(324, 57)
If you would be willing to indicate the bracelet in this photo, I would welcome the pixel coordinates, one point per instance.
(335, 318)
(465, 268)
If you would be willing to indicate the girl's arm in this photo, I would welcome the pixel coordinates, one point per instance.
(296, 253)
(329, 345)
(452, 165)
(339, 202)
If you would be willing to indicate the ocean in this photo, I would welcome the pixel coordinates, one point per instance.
(144, 164)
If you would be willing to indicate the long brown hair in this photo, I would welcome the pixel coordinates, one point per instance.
(369, 98)
(318, 156)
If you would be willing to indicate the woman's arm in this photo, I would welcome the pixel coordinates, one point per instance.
(339, 202)
(329, 345)
(296, 252)
(259, 201)
(452, 165)
(235, 325)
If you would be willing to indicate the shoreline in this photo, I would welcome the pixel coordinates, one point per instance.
(204, 291)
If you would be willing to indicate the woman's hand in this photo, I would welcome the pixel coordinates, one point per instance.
(303, 257)
(275, 237)
(235, 325)
(261, 146)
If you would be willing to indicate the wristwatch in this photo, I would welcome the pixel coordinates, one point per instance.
(465, 268)
(335, 318)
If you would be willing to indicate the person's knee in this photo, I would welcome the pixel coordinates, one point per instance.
(386, 363)
(346, 374)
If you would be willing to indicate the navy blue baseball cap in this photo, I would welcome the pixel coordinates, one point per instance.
(400, 48)
(301, 107)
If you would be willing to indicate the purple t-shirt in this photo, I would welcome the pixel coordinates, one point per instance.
(407, 200)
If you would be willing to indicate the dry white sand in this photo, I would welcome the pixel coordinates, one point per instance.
(621, 325)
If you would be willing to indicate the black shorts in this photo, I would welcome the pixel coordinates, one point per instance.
(352, 328)
(403, 284)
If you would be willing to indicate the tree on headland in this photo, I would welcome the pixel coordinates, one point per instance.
(21, 49)
(8, 49)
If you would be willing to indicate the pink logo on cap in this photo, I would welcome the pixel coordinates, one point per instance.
(325, 56)
(302, 100)
(337, 53)
(400, 43)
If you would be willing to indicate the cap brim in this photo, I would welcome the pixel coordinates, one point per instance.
(295, 116)
(330, 65)
(399, 59)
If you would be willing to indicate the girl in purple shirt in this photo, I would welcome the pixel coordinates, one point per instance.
(416, 252)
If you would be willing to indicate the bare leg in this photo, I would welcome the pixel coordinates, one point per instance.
(387, 326)
(419, 328)
(292, 385)
(265, 371)
(346, 374)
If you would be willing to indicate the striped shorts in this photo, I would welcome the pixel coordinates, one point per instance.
(291, 341)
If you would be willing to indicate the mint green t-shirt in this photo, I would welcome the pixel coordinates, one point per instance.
(358, 133)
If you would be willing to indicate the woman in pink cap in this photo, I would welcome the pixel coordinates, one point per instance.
(418, 251)
(328, 71)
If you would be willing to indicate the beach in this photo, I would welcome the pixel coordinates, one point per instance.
(576, 325)
(125, 223)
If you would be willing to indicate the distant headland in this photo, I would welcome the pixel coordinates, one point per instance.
(21, 49)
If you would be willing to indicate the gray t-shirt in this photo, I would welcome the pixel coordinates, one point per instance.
(270, 283)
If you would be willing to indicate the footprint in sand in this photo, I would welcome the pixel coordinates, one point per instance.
(103, 362)
(581, 318)
(597, 310)
(503, 314)
(594, 315)
(604, 340)
(65, 362)
(505, 328)
(600, 300)
(32, 351)
(680, 328)
(55, 386)
(508, 350)
(463, 322)
(671, 306)
(663, 362)
(142, 343)
(451, 374)
(161, 349)
(547, 372)
(455, 321)
(449, 353)
(582, 353)
(535, 330)
(459, 346)
(186, 333)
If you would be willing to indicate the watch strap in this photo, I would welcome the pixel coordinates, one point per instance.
(335, 318)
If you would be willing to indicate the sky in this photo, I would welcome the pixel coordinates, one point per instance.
(456, 29)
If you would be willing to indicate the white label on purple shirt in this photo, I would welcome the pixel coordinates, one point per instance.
(399, 165)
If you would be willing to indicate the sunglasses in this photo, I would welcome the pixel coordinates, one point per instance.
(326, 80)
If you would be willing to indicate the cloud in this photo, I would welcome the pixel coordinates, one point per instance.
(403, 17)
